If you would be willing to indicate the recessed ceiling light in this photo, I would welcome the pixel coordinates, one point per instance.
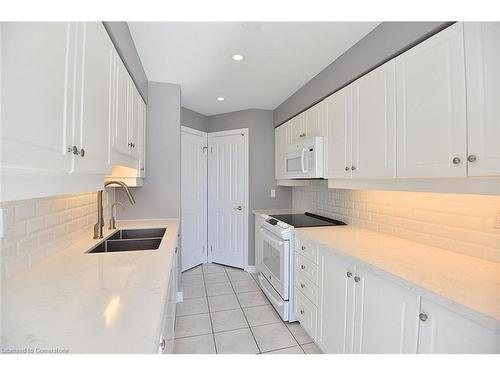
(237, 57)
(220, 98)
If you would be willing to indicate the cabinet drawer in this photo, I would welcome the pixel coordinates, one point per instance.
(306, 268)
(306, 313)
(307, 248)
(307, 287)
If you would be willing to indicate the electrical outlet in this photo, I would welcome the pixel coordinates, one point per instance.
(273, 193)
(497, 220)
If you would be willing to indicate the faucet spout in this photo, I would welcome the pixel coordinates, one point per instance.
(98, 233)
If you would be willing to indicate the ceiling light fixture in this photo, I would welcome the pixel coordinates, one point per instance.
(237, 57)
(220, 98)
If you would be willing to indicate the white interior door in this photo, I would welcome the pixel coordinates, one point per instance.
(193, 197)
(228, 197)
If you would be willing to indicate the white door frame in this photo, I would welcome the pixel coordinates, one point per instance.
(246, 215)
(188, 130)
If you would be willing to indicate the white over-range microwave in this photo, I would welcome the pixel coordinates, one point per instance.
(305, 159)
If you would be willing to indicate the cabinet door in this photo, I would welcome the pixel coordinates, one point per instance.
(335, 304)
(37, 95)
(280, 142)
(430, 92)
(386, 315)
(445, 332)
(142, 139)
(94, 124)
(482, 52)
(134, 118)
(120, 129)
(338, 128)
(374, 124)
(314, 121)
(296, 128)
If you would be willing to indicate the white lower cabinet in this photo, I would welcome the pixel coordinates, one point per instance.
(356, 309)
(166, 345)
(443, 331)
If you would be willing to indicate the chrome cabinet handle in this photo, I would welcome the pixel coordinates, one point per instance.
(142, 168)
(302, 286)
(238, 208)
(356, 279)
(303, 267)
(471, 158)
(423, 317)
(75, 151)
(303, 247)
(349, 274)
(302, 312)
(353, 168)
(456, 160)
(347, 169)
(82, 152)
(162, 344)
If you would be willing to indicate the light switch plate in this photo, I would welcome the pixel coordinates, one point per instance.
(273, 193)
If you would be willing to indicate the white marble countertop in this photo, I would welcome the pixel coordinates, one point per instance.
(466, 284)
(91, 303)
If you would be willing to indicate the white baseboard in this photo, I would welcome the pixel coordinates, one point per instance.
(179, 297)
(251, 269)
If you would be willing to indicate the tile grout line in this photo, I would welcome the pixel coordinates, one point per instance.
(209, 312)
(243, 312)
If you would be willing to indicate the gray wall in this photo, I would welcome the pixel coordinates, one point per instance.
(124, 44)
(160, 195)
(383, 43)
(261, 164)
(194, 120)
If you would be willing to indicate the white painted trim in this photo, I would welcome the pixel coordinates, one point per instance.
(248, 211)
(293, 182)
(179, 297)
(251, 269)
(189, 130)
(467, 185)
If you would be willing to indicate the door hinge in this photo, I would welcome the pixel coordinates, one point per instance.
(211, 249)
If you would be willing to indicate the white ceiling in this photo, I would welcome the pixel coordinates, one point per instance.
(280, 57)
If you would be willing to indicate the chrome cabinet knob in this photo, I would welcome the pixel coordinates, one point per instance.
(142, 168)
(456, 160)
(356, 279)
(347, 169)
(423, 317)
(303, 267)
(349, 274)
(302, 312)
(353, 168)
(471, 158)
(162, 344)
(303, 247)
(82, 152)
(302, 286)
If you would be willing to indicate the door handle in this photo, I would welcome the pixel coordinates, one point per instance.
(238, 208)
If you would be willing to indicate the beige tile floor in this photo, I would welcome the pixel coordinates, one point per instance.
(225, 312)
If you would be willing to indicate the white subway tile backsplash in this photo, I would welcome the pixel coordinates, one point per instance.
(460, 223)
(38, 228)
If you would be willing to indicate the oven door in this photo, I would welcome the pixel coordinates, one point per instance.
(275, 261)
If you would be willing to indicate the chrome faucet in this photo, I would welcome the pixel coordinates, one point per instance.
(100, 219)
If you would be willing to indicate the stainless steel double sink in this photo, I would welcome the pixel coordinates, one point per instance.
(130, 240)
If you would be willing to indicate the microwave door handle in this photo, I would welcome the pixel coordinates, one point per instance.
(303, 161)
(268, 237)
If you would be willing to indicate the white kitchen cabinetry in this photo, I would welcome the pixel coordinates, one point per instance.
(374, 124)
(121, 142)
(314, 121)
(482, 53)
(442, 331)
(386, 315)
(166, 345)
(296, 126)
(142, 138)
(281, 136)
(431, 113)
(338, 118)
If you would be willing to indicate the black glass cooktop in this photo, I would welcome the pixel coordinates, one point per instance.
(307, 220)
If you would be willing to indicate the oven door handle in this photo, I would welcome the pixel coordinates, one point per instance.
(273, 300)
(268, 237)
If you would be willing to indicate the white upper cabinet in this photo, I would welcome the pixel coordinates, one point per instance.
(442, 331)
(431, 115)
(482, 52)
(121, 126)
(386, 315)
(92, 135)
(313, 121)
(142, 138)
(280, 134)
(338, 118)
(374, 124)
(134, 120)
(37, 91)
(296, 125)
